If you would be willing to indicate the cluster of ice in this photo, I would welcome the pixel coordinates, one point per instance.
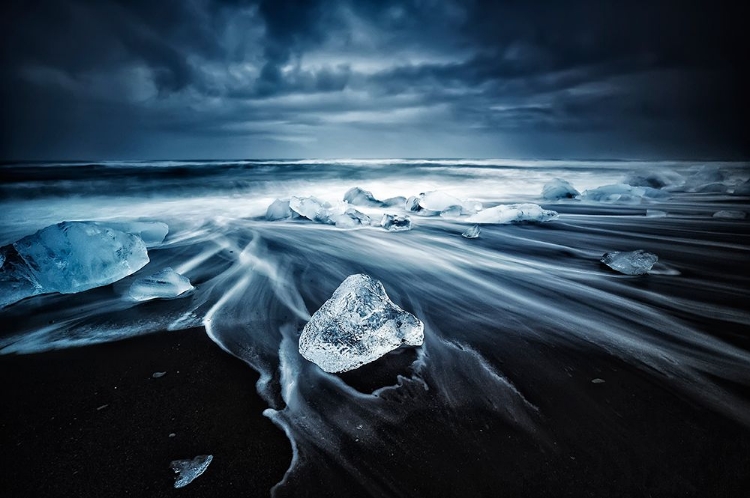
(395, 223)
(559, 189)
(734, 215)
(188, 470)
(165, 284)
(69, 257)
(359, 197)
(513, 213)
(621, 192)
(637, 262)
(357, 325)
(472, 233)
(320, 211)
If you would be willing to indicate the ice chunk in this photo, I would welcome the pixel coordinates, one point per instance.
(636, 262)
(152, 233)
(451, 212)
(657, 180)
(280, 210)
(69, 257)
(350, 218)
(188, 470)
(705, 179)
(164, 284)
(158, 375)
(735, 215)
(742, 189)
(655, 213)
(472, 233)
(438, 201)
(311, 208)
(357, 325)
(510, 213)
(412, 204)
(621, 192)
(394, 201)
(395, 223)
(559, 189)
(358, 197)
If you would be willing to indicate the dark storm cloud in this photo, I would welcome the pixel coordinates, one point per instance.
(210, 78)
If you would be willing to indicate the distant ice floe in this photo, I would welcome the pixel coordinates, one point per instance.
(165, 284)
(357, 325)
(637, 262)
(623, 193)
(513, 213)
(728, 214)
(70, 257)
(559, 189)
(188, 470)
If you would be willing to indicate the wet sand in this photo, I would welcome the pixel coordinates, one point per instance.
(92, 421)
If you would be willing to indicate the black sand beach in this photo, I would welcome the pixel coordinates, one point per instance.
(93, 422)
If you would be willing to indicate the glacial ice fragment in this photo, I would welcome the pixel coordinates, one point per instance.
(357, 325)
(358, 197)
(472, 233)
(311, 208)
(510, 213)
(69, 257)
(559, 189)
(164, 284)
(152, 233)
(438, 201)
(412, 204)
(451, 212)
(280, 210)
(655, 213)
(734, 215)
(350, 218)
(188, 470)
(623, 193)
(637, 262)
(395, 223)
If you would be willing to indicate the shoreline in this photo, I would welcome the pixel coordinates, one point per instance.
(92, 421)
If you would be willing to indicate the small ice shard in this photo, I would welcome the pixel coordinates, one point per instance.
(623, 193)
(598, 381)
(513, 213)
(70, 257)
(735, 215)
(395, 223)
(357, 325)
(188, 470)
(472, 233)
(655, 213)
(158, 375)
(280, 210)
(559, 189)
(637, 262)
(172, 434)
(152, 233)
(165, 284)
(102, 407)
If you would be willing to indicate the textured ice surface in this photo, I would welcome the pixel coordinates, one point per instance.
(621, 192)
(736, 215)
(439, 201)
(630, 263)
(188, 470)
(472, 233)
(152, 233)
(510, 213)
(357, 325)
(451, 212)
(395, 223)
(559, 189)
(359, 197)
(280, 210)
(164, 284)
(69, 257)
(319, 211)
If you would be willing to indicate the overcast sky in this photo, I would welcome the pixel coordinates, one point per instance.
(147, 79)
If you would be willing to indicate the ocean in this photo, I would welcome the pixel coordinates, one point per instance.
(543, 372)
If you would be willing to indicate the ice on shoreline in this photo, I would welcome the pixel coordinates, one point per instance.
(472, 233)
(357, 325)
(637, 262)
(395, 223)
(360, 197)
(165, 284)
(559, 189)
(340, 215)
(623, 193)
(188, 470)
(513, 213)
(70, 257)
